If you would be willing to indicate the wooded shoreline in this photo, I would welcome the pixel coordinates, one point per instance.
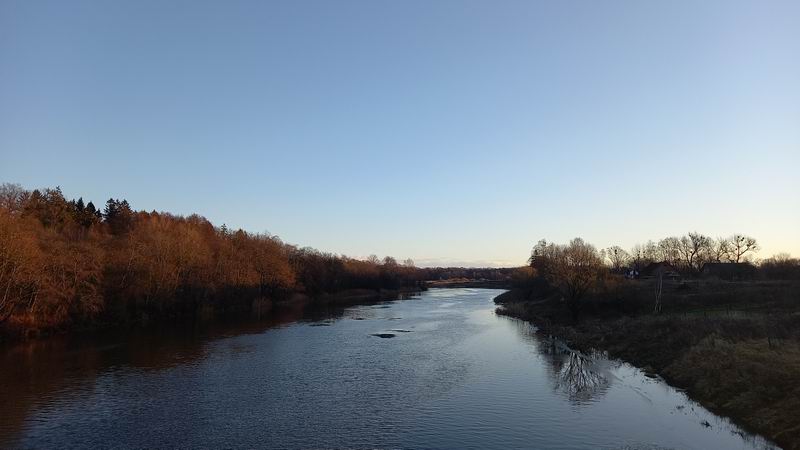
(68, 265)
(740, 359)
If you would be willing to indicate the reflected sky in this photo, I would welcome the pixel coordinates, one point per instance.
(455, 375)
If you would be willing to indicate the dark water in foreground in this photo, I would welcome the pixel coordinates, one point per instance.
(454, 375)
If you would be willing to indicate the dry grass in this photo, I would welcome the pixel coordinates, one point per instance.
(735, 347)
(752, 379)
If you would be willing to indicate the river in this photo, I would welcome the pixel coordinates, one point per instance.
(439, 370)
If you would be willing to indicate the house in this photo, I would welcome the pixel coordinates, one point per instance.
(729, 271)
(664, 268)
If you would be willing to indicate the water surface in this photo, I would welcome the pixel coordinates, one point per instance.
(436, 371)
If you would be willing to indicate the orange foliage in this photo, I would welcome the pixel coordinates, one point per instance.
(63, 262)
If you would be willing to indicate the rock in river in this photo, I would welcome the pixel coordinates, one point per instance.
(384, 335)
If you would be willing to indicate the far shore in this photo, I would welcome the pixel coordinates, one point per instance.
(259, 308)
(465, 283)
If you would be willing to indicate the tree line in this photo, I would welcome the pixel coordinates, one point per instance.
(688, 252)
(578, 268)
(67, 262)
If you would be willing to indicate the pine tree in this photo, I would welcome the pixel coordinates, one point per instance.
(91, 209)
(119, 216)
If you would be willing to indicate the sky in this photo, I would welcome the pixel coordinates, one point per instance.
(449, 132)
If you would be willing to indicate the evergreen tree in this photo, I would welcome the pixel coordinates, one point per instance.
(119, 216)
(90, 208)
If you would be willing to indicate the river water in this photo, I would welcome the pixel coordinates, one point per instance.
(439, 370)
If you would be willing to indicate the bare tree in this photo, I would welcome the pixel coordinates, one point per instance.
(580, 378)
(12, 197)
(740, 245)
(642, 255)
(618, 257)
(720, 250)
(573, 268)
(389, 261)
(781, 267)
(670, 249)
(692, 250)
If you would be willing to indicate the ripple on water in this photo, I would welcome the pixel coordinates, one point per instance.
(453, 375)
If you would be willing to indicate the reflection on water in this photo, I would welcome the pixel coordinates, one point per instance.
(454, 375)
(580, 377)
(39, 372)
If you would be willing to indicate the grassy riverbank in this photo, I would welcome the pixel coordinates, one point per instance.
(735, 347)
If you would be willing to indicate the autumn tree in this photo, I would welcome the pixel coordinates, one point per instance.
(20, 264)
(166, 254)
(233, 266)
(85, 215)
(71, 282)
(49, 207)
(271, 263)
(524, 277)
(13, 198)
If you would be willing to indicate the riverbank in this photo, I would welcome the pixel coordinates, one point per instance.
(210, 311)
(467, 283)
(304, 378)
(734, 347)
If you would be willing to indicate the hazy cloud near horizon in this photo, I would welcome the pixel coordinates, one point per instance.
(458, 132)
(445, 262)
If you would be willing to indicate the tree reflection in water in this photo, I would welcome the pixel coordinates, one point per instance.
(580, 376)
(579, 379)
(37, 373)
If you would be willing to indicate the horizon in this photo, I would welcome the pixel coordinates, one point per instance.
(751, 256)
(451, 136)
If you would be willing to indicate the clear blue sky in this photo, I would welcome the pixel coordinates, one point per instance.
(450, 132)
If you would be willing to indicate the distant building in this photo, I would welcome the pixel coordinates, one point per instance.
(664, 268)
(729, 271)
(631, 274)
